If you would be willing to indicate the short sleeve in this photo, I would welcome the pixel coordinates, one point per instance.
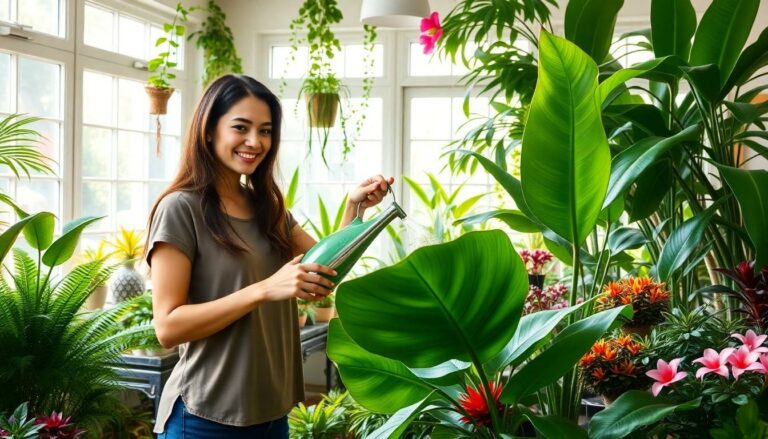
(173, 224)
(291, 220)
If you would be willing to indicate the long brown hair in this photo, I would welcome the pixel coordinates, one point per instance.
(199, 166)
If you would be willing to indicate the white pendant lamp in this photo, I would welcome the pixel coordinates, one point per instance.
(394, 13)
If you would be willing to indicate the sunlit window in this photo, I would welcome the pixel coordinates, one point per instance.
(44, 16)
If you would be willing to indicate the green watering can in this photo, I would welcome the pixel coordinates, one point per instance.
(341, 249)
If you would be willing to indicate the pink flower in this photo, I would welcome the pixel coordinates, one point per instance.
(752, 341)
(744, 360)
(714, 362)
(665, 374)
(431, 31)
(764, 364)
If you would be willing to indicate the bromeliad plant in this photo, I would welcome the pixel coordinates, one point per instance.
(612, 366)
(649, 299)
(433, 336)
(45, 336)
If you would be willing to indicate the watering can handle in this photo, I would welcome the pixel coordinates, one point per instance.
(389, 189)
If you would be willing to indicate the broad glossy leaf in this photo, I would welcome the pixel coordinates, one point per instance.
(561, 356)
(629, 164)
(632, 410)
(619, 78)
(683, 241)
(589, 24)
(8, 237)
(625, 238)
(721, 35)
(443, 302)
(63, 248)
(705, 80)
(532, 330)
(515, 219)
(39, 231)
(751, 190)
(650, 189)
(673, 23)
(555, 427)
(612, 212)
(378, 383)
(565, 161)
(399, 422)
(753, 58)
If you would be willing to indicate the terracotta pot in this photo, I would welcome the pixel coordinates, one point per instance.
(97, 299)
(158, 99)
(302, 321)
(324, 314)
(322, 109)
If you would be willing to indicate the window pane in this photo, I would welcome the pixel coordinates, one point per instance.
(285, 67)
(38, 195)
(427, 65)
(131, 207)
(42, 15)
(50, 143)
(131, 152)
(165, 166)
(431, 118)
(425, 157)
(5, 81)
(39, 88)
(95, 202)
(132, 109)
(171, 122)
(153, 191)
(478, 107)
(97, 99)
(97, 152)
(99, 28)
(5, 10)
(355, 56)
(132, 39)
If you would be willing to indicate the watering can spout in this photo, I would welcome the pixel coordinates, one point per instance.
(340, 250)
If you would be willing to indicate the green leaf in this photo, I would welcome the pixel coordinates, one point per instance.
(673, 23)
(721, 35)
(632, 410)
(39, 231)
(753, 58)
(565, 161)
(443, 302)
(63, 248)
(290, 196)
(590, 23)
(398, 423)
(683, 241)
(555, 427)
(625, 238)
(629, 164)
(750, 187)
(650, 189)
(9, 235)
(607, 87)
(705, 81)
(418, 190)
(513, 218)
(561, 356)
(378, 383)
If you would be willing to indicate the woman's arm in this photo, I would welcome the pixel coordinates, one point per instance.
(178, 322)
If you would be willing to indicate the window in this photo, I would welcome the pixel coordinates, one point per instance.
(34, 86)
(44, 16)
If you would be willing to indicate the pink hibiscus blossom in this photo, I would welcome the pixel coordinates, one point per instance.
(665, 374)
(744, 360)
(431, 31)
(714, 362)
(752, 341)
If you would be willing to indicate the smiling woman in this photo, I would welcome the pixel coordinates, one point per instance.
(226, 272)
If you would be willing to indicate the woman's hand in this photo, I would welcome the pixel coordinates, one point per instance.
(370, 192)
(302, 281)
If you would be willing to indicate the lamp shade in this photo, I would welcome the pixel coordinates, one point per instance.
(394, 13)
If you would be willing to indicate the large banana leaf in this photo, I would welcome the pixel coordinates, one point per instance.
(461, 300)
(565, 161)
(753, 58)
(721, 35)
(380, 384)
(589, 24)
(632, 410)
(673, 23)
(515, 219)
(659, 68)
(751, 191)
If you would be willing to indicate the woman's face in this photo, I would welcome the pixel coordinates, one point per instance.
(243, 136)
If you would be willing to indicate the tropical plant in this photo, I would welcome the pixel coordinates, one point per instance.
(217, 42)
(56, 426)
(326, 302)
(320, 421)
(161, 64)
(326, 226)
(17, 426)
(306, 308)
(128, 245)
(649, 299)
(751, 291)
(137, 312)
(19, 149)
(414, 344)
(54, 357)
(612, 366)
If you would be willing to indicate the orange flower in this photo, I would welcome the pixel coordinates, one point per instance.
(633, 347)
(587, 359)
(598, 373)
(624, 340)
(613, 289)
(610, 354)
(628, 367)
(599, 347)
(658, 294)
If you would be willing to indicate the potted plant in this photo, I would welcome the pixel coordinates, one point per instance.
(158, 86)
(535, 262)
(217, 42)
(319, 421)
(99, 296)
(321, 89)
(126, 282)
(612, 366)
(306, 310)
(138, 313)
(324, 309)
(649, 301)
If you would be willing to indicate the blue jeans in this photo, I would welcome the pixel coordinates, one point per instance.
(184, 425)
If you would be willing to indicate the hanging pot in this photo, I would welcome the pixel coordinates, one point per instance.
(322, 109)
(158, 99)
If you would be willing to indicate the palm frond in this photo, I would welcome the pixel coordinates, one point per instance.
(19, 146)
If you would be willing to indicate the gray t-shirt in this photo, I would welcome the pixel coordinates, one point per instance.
(251, 371)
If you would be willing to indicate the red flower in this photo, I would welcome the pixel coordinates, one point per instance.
(58, 427)
(473, 402)
(431, 31)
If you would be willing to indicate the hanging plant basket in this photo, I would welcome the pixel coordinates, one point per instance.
(158, 99)
(322, 109)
